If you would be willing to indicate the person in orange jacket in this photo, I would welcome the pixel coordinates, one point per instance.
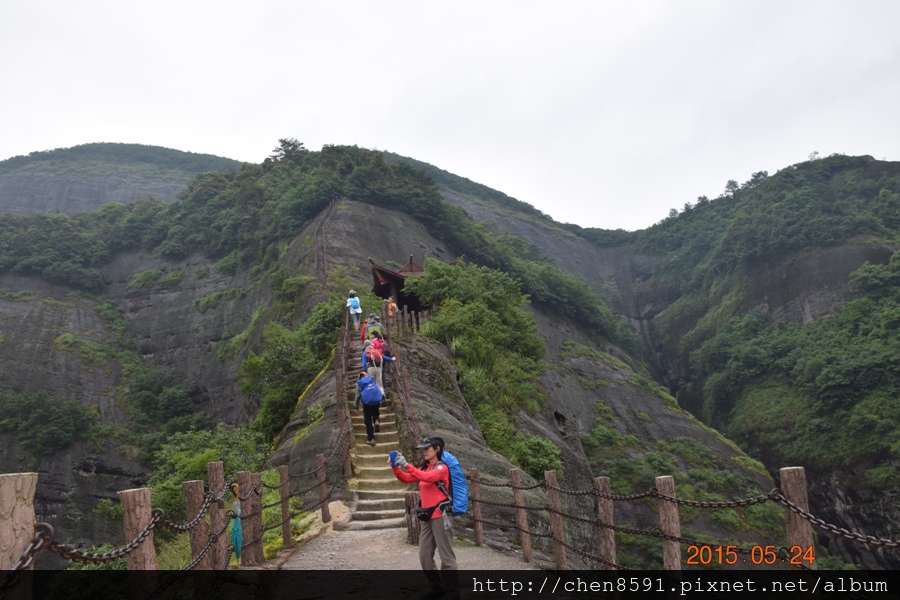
(436, 532)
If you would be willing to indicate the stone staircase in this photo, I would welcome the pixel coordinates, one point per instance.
(378, 497)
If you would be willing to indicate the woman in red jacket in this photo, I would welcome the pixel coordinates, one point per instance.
(436, 532)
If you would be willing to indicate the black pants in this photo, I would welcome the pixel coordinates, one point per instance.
(370, 414)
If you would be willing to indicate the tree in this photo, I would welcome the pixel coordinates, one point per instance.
(289, 149)
(731, 188)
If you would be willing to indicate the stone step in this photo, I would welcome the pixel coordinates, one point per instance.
(381, 437)
(384, 442)
(366, 525)
(376, 515)
(384, 409)
(367, 461)
(359, 430)
(385, 504)
(385, 485)
(379, 471)
(366, 495)
(379, 449)
(386, 419)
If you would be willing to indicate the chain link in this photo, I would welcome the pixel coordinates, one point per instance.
(190, 524)
(777, 496)
(507, 505)
(74, 555)
(509, 485)
(712, 505)
(588, 555)
(508, 525)
(36, 544)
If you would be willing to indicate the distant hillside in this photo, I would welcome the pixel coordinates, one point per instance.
(82, 178)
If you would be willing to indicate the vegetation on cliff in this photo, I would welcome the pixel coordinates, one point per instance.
(91, 157)
(496, 347)
(823, 394)
(244, 217)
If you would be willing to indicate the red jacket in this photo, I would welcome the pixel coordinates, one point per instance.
(428, 477)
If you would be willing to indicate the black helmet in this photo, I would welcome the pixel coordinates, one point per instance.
(352, 293)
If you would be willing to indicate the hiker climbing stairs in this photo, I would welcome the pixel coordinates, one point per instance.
(378, 497)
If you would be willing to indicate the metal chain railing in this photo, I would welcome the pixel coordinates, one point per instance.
(777, 496)
(509, 485)
(168, 524)
(510, 525)
(587, 555)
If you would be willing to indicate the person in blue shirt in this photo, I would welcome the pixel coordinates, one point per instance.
(371, 395)
(355, 309)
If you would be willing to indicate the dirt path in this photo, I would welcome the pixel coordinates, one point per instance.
(329, 549)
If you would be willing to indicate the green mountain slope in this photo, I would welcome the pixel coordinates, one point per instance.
(82, 178)
(763, 316)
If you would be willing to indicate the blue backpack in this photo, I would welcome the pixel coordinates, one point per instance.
(354, 303)
(371, 394)
(459, 489)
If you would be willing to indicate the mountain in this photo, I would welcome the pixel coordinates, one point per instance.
(767, 312)
(146, 313)
(82, 178)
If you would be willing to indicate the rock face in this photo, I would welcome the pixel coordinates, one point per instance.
(45, 191)
(37, 355)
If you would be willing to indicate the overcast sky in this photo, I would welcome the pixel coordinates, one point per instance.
(605, 114)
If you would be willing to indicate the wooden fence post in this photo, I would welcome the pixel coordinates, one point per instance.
(669, 523)
(405, 320)
(284, 479)
(247, 524)
(215, 471)
(521, 515)
(799, 531)
(556, 522)
(194, 496)
(256, 507)
(476, 506)
(605, 514)
(16, 517)
(323, 488)
(343, 418)
(340, 395)
(137, 514)
(410, 502)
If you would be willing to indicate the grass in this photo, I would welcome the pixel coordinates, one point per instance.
(231, 346)
(213, 300)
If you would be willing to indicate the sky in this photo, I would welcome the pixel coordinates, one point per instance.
(605, 114)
